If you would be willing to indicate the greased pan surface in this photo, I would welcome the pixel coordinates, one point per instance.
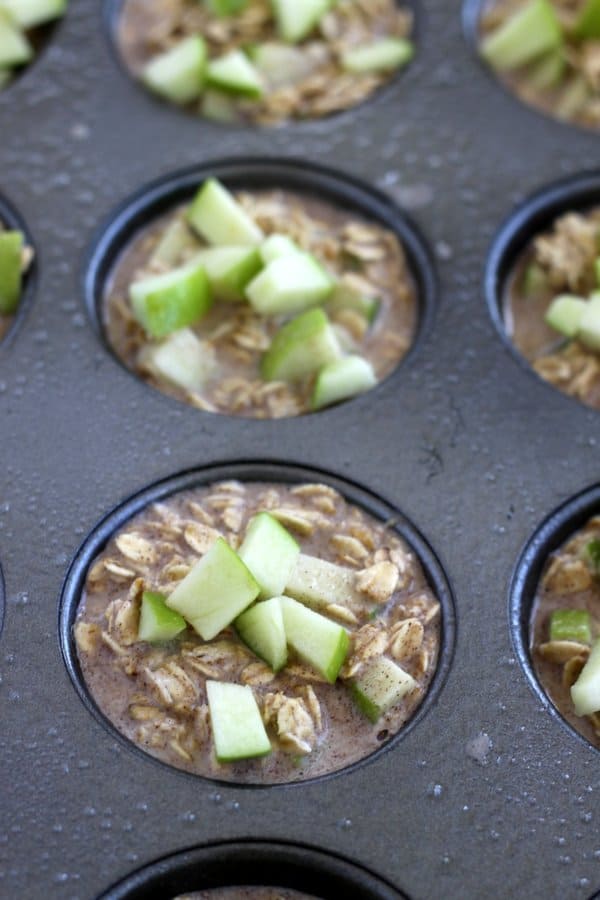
(487, 794)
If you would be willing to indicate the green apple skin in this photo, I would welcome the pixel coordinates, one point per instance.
(165, 303)
(157, 621)
(220, 220)
(261, 629)
(317, 640)
(270, 552)
(11, 245)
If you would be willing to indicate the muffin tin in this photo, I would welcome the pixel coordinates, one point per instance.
(486, 794)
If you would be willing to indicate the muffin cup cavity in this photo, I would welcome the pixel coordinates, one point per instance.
(342, 192)
(301, 868)
(563, 523)
(253, 472)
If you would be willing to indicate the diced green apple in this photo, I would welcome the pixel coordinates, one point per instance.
(297, 18)
(261, 628)
(31, 13)
(597, 270)
(226, 7)
(157, 621)
(289, 284)
(237, 726)
(216, 590)
(383, 55)
(317, 640)
(530, 32)
(181, 359)
(277, 246)
(270, 552)
(15, 49)
(585, 693)
(589, 324)
(229, 270)
(342, 379)
(380, 684)
(548, 71)
(11, 245)
(300, 348)
(178, 74)
(281, 65)
(320, 583)
(346, 296)
(166, 303)
(176, 241)
(219, 218)
(235, 74)
(535, 280)
(573, 97)
(571, 625)
(219, 106)
(588, 23)
(564, 314)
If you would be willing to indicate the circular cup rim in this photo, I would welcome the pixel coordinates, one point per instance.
(256, 470)
(336, 186)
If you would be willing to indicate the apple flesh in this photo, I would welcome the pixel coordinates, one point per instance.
(237, 726)
(261, 628)
(216, 590)
(317, 640)
(157, 621)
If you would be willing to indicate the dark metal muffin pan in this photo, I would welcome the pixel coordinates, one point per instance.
(488, 795)
(302, 868)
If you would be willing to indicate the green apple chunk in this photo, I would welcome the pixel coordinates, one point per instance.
(261, 628)
(216, 590)
(346, 295)
(11, 245)
(342, 379)
(229, 270)
(384, 55)
(181, 359)
(276, 246)
(301, 348)
(548, 71)
(317, 640)
(588, 23)
(289, 284)
(281, 65)
(176, 241)
(219, 106)
(564, 314)
(585, 693)
(178, 74)
(165, 303)
(380, 684)
(530, 32)
(589, 324)
(320, 583)
(297, 18)
(219, 218)
(15, 49)
(31, 13)
(235, 74)
(157, 621)
(270, 553)
(237, 726)
(226, 7)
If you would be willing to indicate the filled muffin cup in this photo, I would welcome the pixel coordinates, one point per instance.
(545, 52)
(17, 268)
(257, 624)
(263, 62)
(259, 288)
(543, 286)
(555, 612)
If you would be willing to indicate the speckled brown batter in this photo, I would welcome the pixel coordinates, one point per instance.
(349, 247)
(155, 694)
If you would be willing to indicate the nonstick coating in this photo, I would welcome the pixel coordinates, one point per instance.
(488, 795)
